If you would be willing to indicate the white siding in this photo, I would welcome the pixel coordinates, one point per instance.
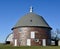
(59, 43)
(10, 37)
(52, 42)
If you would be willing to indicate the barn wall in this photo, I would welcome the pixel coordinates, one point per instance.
(24, 33)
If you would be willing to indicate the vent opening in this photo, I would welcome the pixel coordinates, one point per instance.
(30, 20)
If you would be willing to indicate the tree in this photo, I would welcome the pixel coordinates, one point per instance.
(53, 35)
(58, 34)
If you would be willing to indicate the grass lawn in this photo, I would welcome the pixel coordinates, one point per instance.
(28, 47)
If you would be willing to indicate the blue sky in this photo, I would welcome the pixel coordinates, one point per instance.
(12, 10)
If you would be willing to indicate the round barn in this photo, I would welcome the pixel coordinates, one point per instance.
(31, 30)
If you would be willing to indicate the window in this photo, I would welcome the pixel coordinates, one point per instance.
(32, 34)
(22, 30)
(36, 40)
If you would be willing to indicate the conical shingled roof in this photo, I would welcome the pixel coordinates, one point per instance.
(32, 19)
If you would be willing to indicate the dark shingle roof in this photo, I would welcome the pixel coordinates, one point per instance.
(32, 19)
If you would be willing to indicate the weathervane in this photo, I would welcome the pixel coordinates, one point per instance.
(31, 9)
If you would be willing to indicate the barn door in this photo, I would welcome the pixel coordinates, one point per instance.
(43, 42)
(15, 42)
(28, 42)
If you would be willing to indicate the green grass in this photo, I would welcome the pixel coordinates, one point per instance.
(28, 47)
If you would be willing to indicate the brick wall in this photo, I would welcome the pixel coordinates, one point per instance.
(24, 33)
